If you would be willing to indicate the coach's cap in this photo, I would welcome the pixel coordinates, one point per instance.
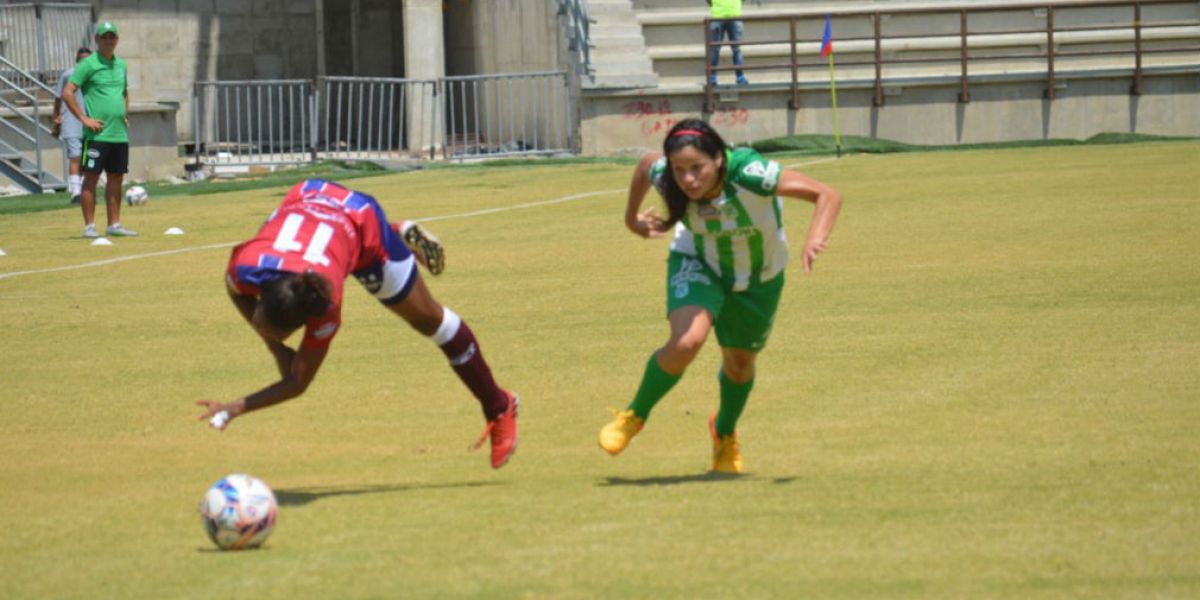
(106, 27)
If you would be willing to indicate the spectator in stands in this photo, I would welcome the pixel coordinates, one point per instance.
(102, 78)
(732, 29)
(69, 129)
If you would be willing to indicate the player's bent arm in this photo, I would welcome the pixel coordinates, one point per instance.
(828, 203)
(305, 365)
(642, 224)
(246, 304)
(68, 97)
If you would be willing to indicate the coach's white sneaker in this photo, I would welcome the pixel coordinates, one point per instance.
(118, 230)
(89, 232)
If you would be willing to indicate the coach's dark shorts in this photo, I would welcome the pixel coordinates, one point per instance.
(110, 157)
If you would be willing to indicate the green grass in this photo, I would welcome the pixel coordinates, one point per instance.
(988, 388)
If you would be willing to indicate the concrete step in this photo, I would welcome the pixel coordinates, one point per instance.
(618, 50)
(818, 75)
(1012, 41)
(619, 81)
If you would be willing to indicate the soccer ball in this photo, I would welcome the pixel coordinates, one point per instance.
(136, 196)
(238, 512)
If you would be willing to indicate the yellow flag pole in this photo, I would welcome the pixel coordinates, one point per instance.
(837, 132)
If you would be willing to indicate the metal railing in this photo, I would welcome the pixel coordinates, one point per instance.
(508, 114)
(253, 122)
(41, 38)
(375, 118)
(24, 138)
(964, 43)
(362, 118)
(579, 38)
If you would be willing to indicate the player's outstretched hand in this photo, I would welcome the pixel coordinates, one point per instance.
(649, 224)
(215, 413)
(811, 250)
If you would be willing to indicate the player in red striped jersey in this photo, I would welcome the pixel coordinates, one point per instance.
(292, 273)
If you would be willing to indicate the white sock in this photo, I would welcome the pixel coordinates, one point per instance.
(75, 184)
(449, 327)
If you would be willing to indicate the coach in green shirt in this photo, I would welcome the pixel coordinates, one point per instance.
(102, 78)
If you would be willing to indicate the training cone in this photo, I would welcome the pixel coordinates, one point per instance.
(102, 242)
(2, 253)
(173, 231)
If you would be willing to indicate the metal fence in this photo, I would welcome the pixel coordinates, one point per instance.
(253, 122)
(364, 118)
(372, 118)
(490, 115)
(42, 38)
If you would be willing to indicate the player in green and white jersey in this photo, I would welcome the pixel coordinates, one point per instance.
(725, 268)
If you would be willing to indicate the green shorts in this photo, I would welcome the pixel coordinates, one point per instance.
(743, 319)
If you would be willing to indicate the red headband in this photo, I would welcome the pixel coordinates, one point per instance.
(694, 132)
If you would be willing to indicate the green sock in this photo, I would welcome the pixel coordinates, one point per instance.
(655, 384)
(733, 400)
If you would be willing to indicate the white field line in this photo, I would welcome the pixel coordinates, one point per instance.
(489, 211)
(101, 263)
(521, 206)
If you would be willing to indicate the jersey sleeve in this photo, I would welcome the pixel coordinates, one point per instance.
(656, 172)
(83, 70)
(750, 170)
(319, 331)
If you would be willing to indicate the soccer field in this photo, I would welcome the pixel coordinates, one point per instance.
(989, 387)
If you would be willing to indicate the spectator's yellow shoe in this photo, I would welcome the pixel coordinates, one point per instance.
(616, 435)
(727, 454)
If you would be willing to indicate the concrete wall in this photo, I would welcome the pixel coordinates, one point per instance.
(169, 44)
(997, 112)
(501, 36)
(153, 147)
(506, 36)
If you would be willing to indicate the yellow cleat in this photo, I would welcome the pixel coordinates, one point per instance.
(616, 435)
(727, 454)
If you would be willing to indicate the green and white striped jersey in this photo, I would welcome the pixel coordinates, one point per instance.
(739, 235)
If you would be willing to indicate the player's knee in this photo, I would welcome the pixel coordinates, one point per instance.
(685, 347)
(739, 371)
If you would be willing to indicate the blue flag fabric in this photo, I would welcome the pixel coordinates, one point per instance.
(827, 37)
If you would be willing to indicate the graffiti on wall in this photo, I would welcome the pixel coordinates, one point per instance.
(655, 117)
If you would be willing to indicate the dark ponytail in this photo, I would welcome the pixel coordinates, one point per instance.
(290, 300)
(700, 135)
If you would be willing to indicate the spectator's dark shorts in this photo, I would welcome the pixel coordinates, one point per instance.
(110, 157)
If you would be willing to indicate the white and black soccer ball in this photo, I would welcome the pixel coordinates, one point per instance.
(136, 195)
(238, 512)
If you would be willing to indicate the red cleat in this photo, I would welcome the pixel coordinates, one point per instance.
(503, 431)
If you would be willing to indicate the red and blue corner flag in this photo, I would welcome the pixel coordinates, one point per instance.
(827, 38)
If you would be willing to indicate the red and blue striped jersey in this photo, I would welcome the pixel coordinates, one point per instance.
(320, 226)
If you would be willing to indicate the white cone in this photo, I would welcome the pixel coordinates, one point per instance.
(173, 231)
(2, 253)
(101, 242)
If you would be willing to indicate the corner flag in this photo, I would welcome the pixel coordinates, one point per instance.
(827, 51)
(827, 38)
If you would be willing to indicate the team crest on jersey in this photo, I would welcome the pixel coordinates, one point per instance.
(717, 209)
(709, 212)
(768, 174)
